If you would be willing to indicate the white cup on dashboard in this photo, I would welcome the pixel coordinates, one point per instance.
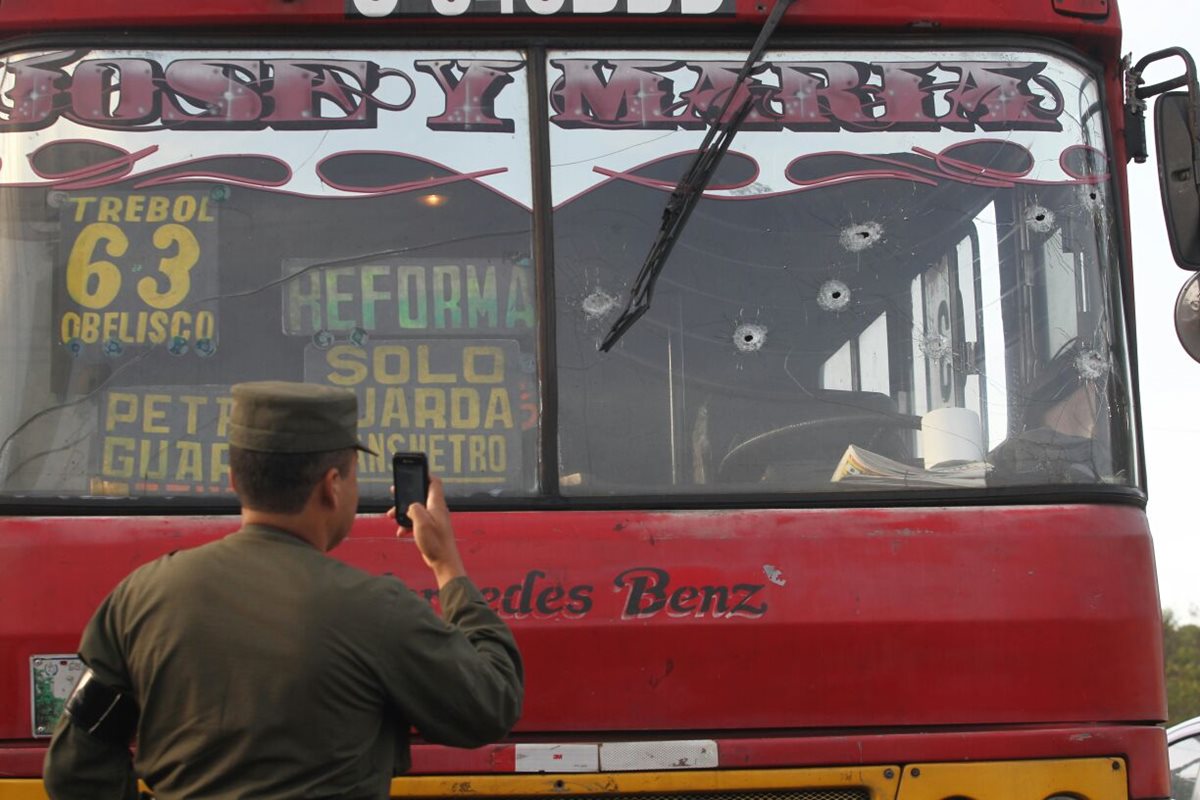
(951, 434)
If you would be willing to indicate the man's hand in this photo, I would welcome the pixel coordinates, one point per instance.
(433, 534)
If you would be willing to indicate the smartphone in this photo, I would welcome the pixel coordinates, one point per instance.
(410, 477)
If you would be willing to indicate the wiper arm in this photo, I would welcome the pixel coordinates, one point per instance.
(691, 186)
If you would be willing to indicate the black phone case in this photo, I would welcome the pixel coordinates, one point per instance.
(404, 465)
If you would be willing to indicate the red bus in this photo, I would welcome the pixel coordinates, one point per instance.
(783, 384)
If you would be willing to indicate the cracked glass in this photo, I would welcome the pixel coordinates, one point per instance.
(173, 222)
(901, 276)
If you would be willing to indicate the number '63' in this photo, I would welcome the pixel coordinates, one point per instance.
(94, 282)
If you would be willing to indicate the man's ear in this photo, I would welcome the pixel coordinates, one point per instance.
(329, 488)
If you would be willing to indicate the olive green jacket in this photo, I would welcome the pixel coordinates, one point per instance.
(265, 669)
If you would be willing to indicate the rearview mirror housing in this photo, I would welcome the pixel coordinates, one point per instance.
(1178, 161)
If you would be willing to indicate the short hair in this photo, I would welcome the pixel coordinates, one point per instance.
(280, 483)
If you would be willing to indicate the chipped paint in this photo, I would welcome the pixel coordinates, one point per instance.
(861, 236)
(774, 575)
(749, 337)
(750, 190)
(899, 532)
(833, 295)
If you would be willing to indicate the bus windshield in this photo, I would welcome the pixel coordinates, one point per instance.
(903, 275)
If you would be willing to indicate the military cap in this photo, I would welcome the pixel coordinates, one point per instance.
(286, 417)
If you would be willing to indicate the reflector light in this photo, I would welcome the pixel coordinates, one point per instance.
(557, 758)
(633, 756)
(617, 756)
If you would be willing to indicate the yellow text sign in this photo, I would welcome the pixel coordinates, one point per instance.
(455, 400)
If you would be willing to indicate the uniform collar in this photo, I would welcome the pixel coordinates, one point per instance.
(273, 534)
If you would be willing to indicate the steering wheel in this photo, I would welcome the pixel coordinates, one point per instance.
(753, 449)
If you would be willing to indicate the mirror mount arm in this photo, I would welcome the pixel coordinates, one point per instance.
(1136, 94)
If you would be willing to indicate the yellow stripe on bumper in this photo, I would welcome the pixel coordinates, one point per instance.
(880, 781)
(1078, 778)
(1081, 779)
(22, 789)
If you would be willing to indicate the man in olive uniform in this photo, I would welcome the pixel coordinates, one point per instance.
(258, 667)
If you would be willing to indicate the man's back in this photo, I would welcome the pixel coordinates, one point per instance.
(270, 667)
(256, 666)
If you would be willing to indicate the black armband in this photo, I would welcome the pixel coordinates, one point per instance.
(102, 711)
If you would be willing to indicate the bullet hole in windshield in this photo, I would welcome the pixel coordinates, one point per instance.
(935, 346)
(833, 295)
(749, 337)
(1091, 198)
(598, 304)
(1039, 219)
(857, 238)
(1091, 365)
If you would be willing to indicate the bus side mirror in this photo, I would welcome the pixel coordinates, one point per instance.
(1177, 139)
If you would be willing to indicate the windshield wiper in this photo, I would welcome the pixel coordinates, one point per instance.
(691, 186)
